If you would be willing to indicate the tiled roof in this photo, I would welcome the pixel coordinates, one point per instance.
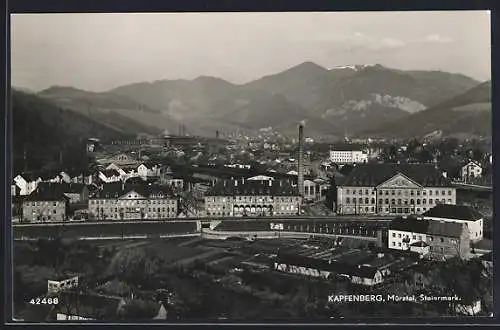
(371, 175)
(419, 244)
(457, 212)
(110, 173)
(71, 188)
(252, 188)
(327, 265)
(412, 225)
(47, 193)
(116, 190)
(447, 229)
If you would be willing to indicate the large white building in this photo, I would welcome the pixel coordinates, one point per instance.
(252, 198)
(393, 189)
(459, 214)
(348, 156)
(117, 201)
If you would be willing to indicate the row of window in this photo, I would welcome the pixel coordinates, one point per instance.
(367, 209)
(399, 201)
(399, 192)
(431, 238)
(130, 202)
(41, 203)
(150, 209)
(431, 248)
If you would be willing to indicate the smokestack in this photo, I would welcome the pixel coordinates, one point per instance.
(217, 134)
(300, 181)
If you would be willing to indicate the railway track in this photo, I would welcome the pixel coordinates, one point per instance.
(185, 220)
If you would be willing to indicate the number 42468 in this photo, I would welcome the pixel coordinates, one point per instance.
(44, 301)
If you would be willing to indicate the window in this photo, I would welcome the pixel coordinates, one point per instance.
(418, 192)
(394, 235)
(442, 240)
(430, 192)
(380, 201)
(419, 237)
(347, 191)
(399, 244)
(449, 201)
(414, 237)
(431, 238)
(418, 201)
(55, 212)
(360, 200)
(367, 200)
(393, 243)
(55, 203)
(387, 201)
(412, 193)
(393, 192)
(399, 235)
(399, 201)
(443, 192)
(449, 192)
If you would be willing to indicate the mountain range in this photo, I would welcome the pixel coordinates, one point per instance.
(347, 100)
(466, 114)
(44, 133)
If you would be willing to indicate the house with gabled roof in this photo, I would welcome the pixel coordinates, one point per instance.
(108, 176)
(459, 214)
(471, 170)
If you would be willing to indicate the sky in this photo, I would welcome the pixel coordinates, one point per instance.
(98, 52)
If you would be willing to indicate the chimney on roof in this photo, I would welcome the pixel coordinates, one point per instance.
(300, 171)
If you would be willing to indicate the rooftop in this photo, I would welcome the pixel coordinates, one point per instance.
(372, 175)
(253, 188)
(410, 225)
(116, 190)
(447, 229)
(457, 212)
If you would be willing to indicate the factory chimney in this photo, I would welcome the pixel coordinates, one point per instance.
(300, 170)
(217, 134)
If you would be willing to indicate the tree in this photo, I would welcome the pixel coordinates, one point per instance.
(139, 310)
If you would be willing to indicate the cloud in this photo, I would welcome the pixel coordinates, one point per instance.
(438, 39)
(392, 43)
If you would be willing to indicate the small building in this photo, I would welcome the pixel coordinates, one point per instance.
(61, 284)
(471, 170)
(109, 176)
(459, 214)
(420, 247)
(27, 183)
(177, 183)
(348, 156)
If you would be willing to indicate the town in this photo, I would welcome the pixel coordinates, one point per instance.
(250, 167)
(383, 216)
